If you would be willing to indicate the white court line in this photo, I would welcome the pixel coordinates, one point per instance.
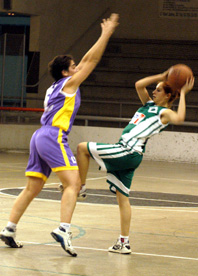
(7, 196)
(152, 177)
(168, 179)
(96, 178)
(166, 209)
(112, 205)
(88, 179)
(148, 208)
(164, 200)
(148, 199)
(140, 198)
(133, 253)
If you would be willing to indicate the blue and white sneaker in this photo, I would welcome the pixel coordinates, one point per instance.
(8, 235)
(83, 193)
(64, 237)
(119, 247)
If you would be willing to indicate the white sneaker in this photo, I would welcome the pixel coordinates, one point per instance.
(8, 235)
(64, 237)
(119, 247)
(60, 188)
(81, 195)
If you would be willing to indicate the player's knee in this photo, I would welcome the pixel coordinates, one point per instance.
(73, 188)
(73, 183)
(33, 189)
(82, 148)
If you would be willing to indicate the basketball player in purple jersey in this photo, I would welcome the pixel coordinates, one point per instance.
(49, 150)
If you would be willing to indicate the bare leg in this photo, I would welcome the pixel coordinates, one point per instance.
(123, 246)
(83, 161)
(71, 186)
(71, 183)
(125, 213)
(33, 188)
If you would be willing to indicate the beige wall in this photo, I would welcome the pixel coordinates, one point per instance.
(57, 24)
(183, 146)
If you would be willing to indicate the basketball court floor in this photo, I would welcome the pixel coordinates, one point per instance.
(164, 225)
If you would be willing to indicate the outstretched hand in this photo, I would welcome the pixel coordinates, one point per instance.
(165, 75)
(188, 85)
(109, 25)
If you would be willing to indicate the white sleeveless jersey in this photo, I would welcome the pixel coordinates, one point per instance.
(145, 123)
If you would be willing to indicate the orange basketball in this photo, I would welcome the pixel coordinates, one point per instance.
(178, 75)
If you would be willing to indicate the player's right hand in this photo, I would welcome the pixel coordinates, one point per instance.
(109, 25)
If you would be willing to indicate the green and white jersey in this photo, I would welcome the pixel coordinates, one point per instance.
(145, 123)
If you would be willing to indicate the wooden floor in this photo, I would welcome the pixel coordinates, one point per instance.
(164, 226)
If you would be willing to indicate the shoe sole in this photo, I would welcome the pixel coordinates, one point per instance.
(120, 252)
(10, 242)
(58, 238)
(82, 197)
(125, 253)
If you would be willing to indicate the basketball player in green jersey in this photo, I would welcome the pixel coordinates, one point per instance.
(121, 159)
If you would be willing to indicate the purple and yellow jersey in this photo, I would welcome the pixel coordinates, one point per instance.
(60, 108)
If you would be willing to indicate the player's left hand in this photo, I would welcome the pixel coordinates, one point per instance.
(188, 86)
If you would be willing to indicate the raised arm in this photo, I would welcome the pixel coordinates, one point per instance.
(108, 27)
(143, 83)
(93, 56)
(178, 117)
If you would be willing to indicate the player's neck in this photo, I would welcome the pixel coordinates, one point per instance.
(162, 104)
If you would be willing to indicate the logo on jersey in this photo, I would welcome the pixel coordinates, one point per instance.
(137, 118)
(48, 94)
(73, 159)
(153, 109)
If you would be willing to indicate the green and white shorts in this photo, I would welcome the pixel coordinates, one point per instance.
(119, 162)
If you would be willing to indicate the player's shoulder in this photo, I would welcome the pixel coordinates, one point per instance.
(149, 103)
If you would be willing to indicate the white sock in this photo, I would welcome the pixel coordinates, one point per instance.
(65, 226)
(124, 239)
(12, 225)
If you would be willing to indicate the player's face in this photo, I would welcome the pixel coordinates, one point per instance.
(72, 68)
(159, 95)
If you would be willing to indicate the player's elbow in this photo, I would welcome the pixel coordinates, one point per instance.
(179, 120)
(138, 84)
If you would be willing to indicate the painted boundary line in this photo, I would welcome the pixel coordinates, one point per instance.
(182, 209)
(133, 253)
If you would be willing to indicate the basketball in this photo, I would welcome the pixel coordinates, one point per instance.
(178, 75)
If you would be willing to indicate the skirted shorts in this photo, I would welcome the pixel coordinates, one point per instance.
(119, 162)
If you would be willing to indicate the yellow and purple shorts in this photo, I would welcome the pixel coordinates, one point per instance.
(49, 151)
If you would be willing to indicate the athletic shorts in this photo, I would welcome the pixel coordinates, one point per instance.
(119, 163)
(49, 151)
